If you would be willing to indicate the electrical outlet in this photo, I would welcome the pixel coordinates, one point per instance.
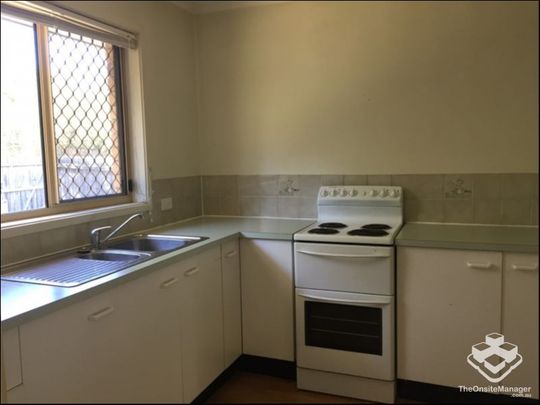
(166, 204)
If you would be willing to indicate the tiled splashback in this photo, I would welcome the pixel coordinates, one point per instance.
(184, 191)
(510, 199)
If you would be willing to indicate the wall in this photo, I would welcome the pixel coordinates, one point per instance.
(369, 88)
(167, 55)
(406, 93)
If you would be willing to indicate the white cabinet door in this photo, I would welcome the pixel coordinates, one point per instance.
(267, 298)
(202, 322)
(520, 316)
(447, 300)
(119, 346)
(232, 303)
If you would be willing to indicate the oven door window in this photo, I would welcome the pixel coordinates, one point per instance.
(343, 327)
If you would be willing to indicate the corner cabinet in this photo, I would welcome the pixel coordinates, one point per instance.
(267, 298)
(449, 300)
(117, 346)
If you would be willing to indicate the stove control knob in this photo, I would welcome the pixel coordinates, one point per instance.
(335, 193)
(394, 193)
(354, 193)
(384, 193)
(373, 193)
(324, 193)
(344, 193)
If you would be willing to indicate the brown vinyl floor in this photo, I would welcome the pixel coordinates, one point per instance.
(249, 388)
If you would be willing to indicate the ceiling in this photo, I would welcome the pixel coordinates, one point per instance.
(201, 7)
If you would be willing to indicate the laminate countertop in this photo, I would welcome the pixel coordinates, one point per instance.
(470, 237)
(24, 301)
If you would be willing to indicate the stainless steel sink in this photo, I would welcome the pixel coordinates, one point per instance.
(156, 243)
(76, 268)
(112, 255)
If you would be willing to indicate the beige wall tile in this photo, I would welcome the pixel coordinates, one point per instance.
(355, 179)
(332, 180)
(457, 210)
(308, 207)
(534, 211)
(193, 207)
(5, 251)
(212, 185)
(248, 185)
(308, 185)
(534, 180)
(420, 186)
(516, 212)
(487, 211)
(379, 180)
(283, 182)
(269, 206)
(228, 205)
(289, 207)
(458, 186)
(516, 186)
(424, 210)
(167, 216)
(211, 205)
(249, 206)
(229, 186)
(268, 185)
(163, 187)
(487, 186)
(59, 239)
(23, 247)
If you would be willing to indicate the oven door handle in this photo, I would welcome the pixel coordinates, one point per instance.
(381, 301)
(368, 255)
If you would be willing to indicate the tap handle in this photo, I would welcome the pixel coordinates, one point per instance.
(96, 232)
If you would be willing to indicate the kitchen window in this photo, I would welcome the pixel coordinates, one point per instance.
(62, 119)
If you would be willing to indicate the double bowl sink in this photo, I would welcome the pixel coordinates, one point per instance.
(77, 268)
(140, 246)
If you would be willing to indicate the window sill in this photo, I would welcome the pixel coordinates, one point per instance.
(26, 226)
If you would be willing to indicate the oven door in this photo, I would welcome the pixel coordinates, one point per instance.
(345, 333)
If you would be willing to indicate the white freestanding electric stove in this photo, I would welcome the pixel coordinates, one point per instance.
(344, 287)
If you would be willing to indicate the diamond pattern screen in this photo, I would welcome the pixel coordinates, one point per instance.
(85, 103)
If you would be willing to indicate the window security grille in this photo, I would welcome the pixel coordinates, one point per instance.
(85, 101)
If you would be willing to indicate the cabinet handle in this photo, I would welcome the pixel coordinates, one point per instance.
(168, 283)
(190, 272)
(381, 301)
(525, 268)
(359, 256)
(102, 313)
(473, 265)
(231, 254)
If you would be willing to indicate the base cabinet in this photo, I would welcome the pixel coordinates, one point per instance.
(113, 347)
(267, 298)
(449, 300)
(520, 317)
(202, 322)
(232, 301)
